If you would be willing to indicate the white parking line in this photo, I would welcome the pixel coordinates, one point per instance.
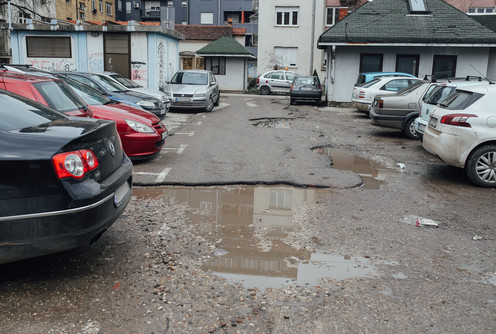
(199, 123)
(163, 175)
(191, 134)
(181, 148)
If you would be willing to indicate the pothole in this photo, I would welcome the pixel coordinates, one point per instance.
(274, 123)
(372, 173)
(250, 227)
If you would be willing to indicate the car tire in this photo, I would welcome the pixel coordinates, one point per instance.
(481, 166)
(291, 101)
(210, 105)
(217, 101)
(409, 129)
(265, 90)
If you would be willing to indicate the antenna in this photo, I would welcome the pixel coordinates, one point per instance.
(482, 75)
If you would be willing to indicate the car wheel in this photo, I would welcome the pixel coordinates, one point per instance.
(210, 104)
(265, 90)
(216, 103)
(481, 166)
(291, 101)
(409, 129)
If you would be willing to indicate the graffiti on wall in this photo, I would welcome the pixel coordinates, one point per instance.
(161, 66)
(95, 62)
(139, 71)
(52, 65)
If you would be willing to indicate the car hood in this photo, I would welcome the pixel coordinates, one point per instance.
(186, 89)
(156, 94)
(50, 138)
(120, 111)
(140, 95)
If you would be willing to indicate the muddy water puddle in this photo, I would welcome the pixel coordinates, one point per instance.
(372, 173)
(249, 226)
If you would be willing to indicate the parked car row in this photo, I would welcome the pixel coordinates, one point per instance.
(454, 118)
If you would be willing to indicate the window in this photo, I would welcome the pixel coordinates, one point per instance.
(184, 4)
(108, 8)
(407, 64)
(474, 10)
(48, 47)
(444, 66)
(100, 6)
(23, 17)
(170, 3)
(152, 6)
(93, 5)
(370, 62)
(216, 64)
(335, 14)
(286, 56)
(287, 16)
(206, 18)
(119, 5)
(128, 7)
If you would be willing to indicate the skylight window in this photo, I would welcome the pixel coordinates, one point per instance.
(417, 6)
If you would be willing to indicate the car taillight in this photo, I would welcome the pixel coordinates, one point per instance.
(361, 95)
(380, 104)
(292, 87)
(258, 81)
(74, 164)
(457, 119)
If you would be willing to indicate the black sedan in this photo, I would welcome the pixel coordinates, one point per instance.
(306, 89)
(63, 180)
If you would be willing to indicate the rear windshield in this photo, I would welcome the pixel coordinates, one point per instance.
(438, 94)
(109, 84)
(306, 81)
(360, 80)
(17, 113)
(411, 88)
(125, 81)
(59, 96)
(460, 100)
(370, 83)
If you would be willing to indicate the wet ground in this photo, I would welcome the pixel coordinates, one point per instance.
(266, 258)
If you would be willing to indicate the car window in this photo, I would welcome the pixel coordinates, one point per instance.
(267, 75)
(89, 95)
(83, 80)
(59, 96)
(190, 78)
(109, 84)
(439, 93)
(124, 81)
(290, 76)
(212, 79)
(460, 100)
(411, 88)
(277, 75)
(369, 83)
(306, 81)
(396, 85)
(27, 113)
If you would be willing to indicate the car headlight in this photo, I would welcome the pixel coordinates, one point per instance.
(146, 104)
(139, 127)
(200, 95)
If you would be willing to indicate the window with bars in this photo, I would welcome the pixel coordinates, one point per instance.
(216, 64)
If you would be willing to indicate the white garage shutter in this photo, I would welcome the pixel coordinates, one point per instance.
(286, 56)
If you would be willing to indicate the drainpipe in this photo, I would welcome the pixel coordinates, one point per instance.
(312, 38)
(9, 15)
(218, 13)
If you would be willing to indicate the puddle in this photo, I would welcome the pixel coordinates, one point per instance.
(372, 173)
(273, 123)
(249, 225)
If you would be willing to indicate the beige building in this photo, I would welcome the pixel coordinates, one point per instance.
(86, 10)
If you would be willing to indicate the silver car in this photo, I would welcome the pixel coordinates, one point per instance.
(275, 82)
(193, 89)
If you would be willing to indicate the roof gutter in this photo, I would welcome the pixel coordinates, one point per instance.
(224, 55)
(327, 44)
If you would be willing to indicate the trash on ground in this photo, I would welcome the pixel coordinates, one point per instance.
(419, 221)
(476, 237)
(400, 165)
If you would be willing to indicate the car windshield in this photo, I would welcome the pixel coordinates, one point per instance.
(27, 113)
(460, 100)
(89, 95)
(190, 78)
(438, 94)
(411, 88)
(59, 96)
(125, 81)
(109, 84)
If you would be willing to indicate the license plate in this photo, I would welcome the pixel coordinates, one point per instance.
(433, 122)
(120, 193)
(305, 88)
(164, 135)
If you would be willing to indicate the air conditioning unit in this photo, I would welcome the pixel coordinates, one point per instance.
(136, 5)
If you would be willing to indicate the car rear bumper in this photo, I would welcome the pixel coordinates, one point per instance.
(390, 121)
(362, 106)
(30, 235)
(420, 126)
(305, 95)
(452, 148)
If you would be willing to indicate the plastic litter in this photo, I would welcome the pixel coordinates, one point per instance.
(400, 165)
(476, 237)
(419, 221)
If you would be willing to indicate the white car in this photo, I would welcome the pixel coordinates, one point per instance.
(363, 95)
(438, 93)
(462, 133)
(277, 81)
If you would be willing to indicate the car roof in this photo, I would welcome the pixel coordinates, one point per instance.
(482, 89)
(26, 77)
